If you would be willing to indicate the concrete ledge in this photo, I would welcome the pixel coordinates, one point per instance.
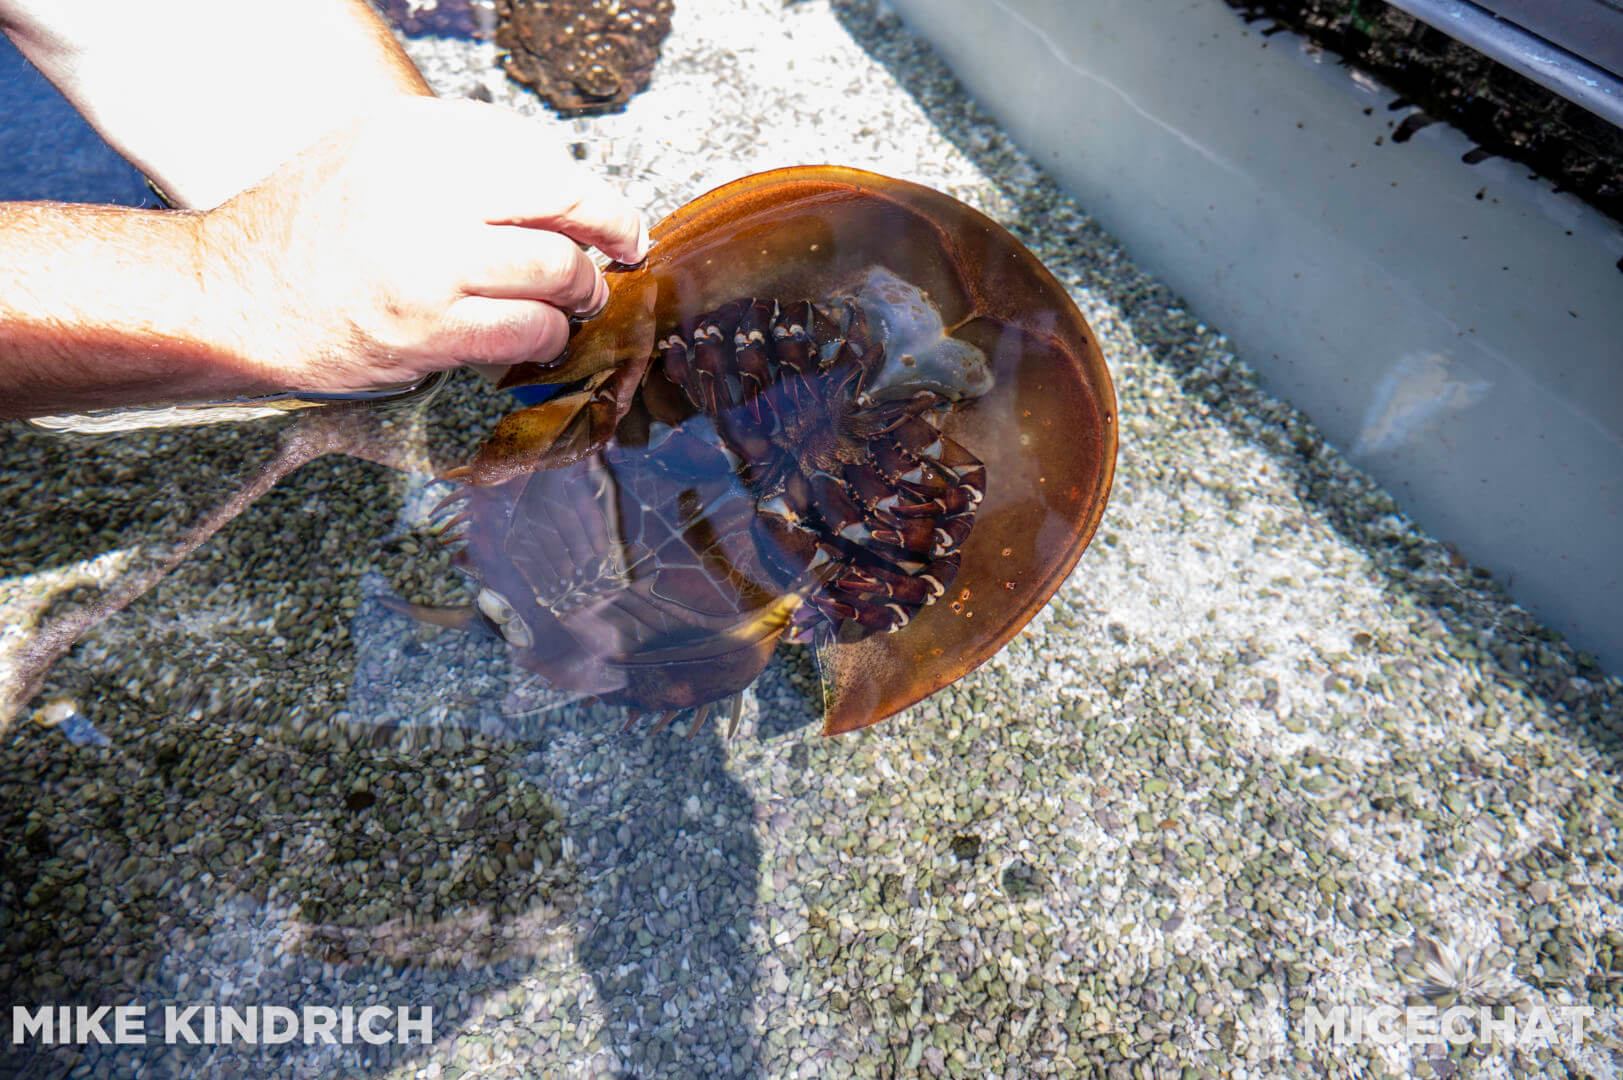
(1457, 329)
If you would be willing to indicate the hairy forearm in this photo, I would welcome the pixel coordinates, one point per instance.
(208, 96)
(105, 306)
(304, 140)
(331, 275)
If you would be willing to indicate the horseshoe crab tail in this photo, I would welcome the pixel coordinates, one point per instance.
(461, 617)
(321, 431)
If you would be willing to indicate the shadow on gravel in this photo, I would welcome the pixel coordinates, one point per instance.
(183, 847)
(546, 879)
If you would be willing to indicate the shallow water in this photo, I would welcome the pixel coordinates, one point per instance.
(1267, 739)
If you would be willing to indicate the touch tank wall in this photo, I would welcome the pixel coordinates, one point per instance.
(1284, 761)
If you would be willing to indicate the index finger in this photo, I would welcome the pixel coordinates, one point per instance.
(570, 200)
(525, 178)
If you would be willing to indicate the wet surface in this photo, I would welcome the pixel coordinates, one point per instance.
(1267, 737)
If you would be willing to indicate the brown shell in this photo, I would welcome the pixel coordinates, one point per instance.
(1046, 430)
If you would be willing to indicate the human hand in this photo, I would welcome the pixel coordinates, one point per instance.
(431, 234)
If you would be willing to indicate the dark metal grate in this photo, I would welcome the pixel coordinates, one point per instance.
(1505, 113)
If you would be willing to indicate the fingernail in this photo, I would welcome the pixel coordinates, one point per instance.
(600, 299)
(644, 242)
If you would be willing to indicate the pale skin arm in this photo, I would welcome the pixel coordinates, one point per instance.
(382, 234)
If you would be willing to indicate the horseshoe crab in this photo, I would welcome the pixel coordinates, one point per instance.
(829, 407)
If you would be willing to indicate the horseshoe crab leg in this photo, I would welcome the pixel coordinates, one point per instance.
(700, 715)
